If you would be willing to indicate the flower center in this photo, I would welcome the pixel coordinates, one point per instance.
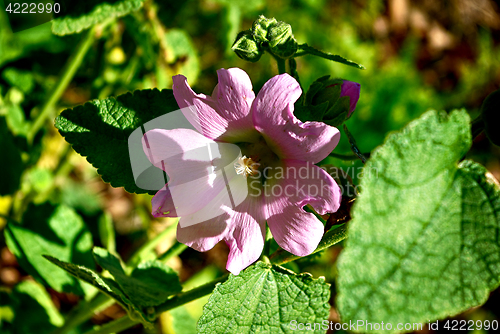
(246, 166)
(260, 158)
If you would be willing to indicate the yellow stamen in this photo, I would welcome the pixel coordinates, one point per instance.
(246, 166)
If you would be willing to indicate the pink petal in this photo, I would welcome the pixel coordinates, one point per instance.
(242, 228)
(225, 115)
(351, 89)
(246, 237)
(302, 183)
(285, 134)
(188, 159)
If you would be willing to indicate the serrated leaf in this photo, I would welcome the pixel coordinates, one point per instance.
(339, 59)
(150, 284)
(266, 299)
(103, 284)
(99, 131)
(12, 168)
(56, 230)
(423, 242)
(76, 16)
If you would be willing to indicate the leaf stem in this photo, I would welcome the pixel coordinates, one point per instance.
(332, 237)
(175, 249)
(354, 146)
(178, 300)
(281, 64)
(68, 73)
(345, 157)
(150, 245)
(83, 312)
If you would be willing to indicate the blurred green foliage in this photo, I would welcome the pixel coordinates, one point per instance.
(405, 76)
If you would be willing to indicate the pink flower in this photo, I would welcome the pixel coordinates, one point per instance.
(275, 169)
(351, 89)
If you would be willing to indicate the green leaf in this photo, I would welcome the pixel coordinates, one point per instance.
(339, 59)
(182, 321)
(423, 243)
(150, 284)
(55, 230)
(99, 130)
(76, 16)
(103, 284)
(12, 167)
(24, 80)
(265, 298)
(33, 309)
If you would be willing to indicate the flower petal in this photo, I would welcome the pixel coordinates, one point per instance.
(242, 228)
(300, 183)
(193, 163)
(288, 137)
(247, 234)
(351, 89)
(225, 115)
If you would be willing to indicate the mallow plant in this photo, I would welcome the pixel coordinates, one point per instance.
(421, 236)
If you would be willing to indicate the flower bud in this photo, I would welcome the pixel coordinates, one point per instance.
(281, 40)
(260, 28)
(246, 47)
(335, 98)
(490, 112)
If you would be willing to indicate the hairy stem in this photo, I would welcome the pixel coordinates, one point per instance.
(178, 300)
(330, 238)
(67, 75)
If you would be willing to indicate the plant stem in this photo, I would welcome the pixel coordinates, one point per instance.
(345, 157)
(68, 73)
(150, 245)
(354, 146)
(281, 64)
(332, 237)
(176, 249)
(83, 312)
(178, 300)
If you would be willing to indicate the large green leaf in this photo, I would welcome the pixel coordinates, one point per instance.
(99, 130)
(266, 299)
(76, 16)
(55, 230)
(423, 243)
(150, 284)
(103, 284)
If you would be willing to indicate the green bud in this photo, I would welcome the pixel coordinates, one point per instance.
(281, 40)
(246, 47)
(490, 112)
(260, 28)
(331, 101)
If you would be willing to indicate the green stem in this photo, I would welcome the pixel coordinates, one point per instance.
(354, 146)
(150, 245)
(68, 73)
(345, 157)
(267, 245)
(175, 250)
(83, 312)
(178, 300)
(477, 126)
(281, 64)
(332, 237)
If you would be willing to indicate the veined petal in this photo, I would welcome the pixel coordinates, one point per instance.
(247, 234)
(241, 227)
(288, 137)
(194, 165)
(224, 116)
(289, 190)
